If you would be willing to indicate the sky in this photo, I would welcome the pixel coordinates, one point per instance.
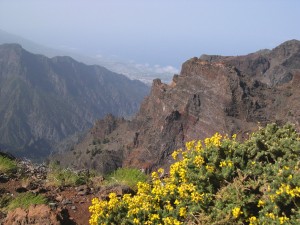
(154, 32)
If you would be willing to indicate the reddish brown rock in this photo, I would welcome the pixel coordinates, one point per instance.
(211, 94)
(119, 190)
(35, 215)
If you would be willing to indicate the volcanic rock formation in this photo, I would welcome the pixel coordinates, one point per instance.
(212, 94)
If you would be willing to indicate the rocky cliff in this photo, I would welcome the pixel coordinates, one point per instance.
(211, 94)
(44, 100)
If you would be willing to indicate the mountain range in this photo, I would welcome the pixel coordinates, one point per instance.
(133, 70)
(44, 100)
(225, 94)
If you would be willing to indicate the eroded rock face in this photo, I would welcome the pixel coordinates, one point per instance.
(211, 94)
(45, 100)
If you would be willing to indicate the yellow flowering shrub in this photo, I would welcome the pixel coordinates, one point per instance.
(217, 181)
(236, 212)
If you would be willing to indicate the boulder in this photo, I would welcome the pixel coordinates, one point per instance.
(36, 215)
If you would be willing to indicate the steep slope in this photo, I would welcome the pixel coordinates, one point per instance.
(211, 94)
(44, 100)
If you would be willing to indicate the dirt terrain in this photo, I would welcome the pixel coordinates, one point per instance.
(65, 205)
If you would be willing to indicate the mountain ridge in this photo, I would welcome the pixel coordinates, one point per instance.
(44, 100)
(132, 70)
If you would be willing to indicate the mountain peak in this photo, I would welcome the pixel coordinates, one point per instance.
(292, 42)
(12, 46)
(286, 49)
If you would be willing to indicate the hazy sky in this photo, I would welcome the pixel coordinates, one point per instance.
(164, 32)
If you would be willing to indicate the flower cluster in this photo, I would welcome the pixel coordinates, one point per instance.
(287, 189)
(236, 212)
(217, 181)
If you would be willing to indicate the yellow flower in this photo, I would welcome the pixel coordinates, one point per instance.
(154, 175)
(143, 188)
(215, 140)
(154, 217)
(286, 188)
(196, 197)
(190, 145)
(136, 221)
(198, 160)
(176, 222)
(253, 220)
(198, 147)
(223, 164)
(167, 221)
(175, 154)
(210, 168)
(182, 212)
(169, 207)
(176, 202)
(283, 219)
(260, 203)
(171, 221)
(236, 212)
(229, 163)
(161, 170)
(270, 215)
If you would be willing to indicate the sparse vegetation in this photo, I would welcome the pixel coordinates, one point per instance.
(126, 176)
(4, 201)
(218, 181)
(95, 141)
(96, 151)
(105, 141)
(58, 176)
(25, 200)
(7, 165)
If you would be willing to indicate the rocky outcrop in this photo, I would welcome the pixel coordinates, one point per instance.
(273, 68)
(39, 214)
(211, 94)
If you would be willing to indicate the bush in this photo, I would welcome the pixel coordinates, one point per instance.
(4, 201)
(126, 176)
(220, 181)
(7, 165)
(25, 200)
(58, 176)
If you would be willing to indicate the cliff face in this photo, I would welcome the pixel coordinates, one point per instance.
(211, 94)
(44, 100)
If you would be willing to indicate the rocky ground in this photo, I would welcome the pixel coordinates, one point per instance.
(66, 204)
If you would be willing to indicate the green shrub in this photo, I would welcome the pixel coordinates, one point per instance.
(126, 176)
(25, 200)
(58, 176)
(7, 165)
(4, 200)
(220, 181)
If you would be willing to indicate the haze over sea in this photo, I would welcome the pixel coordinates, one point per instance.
(158, 34)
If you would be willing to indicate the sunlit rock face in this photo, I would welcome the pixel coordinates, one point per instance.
(211, 94)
